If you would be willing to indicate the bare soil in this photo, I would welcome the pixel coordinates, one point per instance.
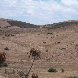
(59, 49)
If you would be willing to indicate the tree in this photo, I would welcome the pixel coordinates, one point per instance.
(35, 54)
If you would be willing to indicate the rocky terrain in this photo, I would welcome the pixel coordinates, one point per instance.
(58, 48)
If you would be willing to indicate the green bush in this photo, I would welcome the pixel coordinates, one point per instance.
(52, 70)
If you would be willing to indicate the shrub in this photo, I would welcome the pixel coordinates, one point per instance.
(52, 70)
(76, 44)
(7, 35)
(58, 42)
(62, 70)
(35, 53)
(63, 48)
(44, 42)
(12, 35)
(34, 75)
(46, 50)
(21, 73)
(3, 65)
(2, 58)
(6, 48)
(50, 33)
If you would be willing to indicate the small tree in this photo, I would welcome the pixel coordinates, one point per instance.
(35, 54)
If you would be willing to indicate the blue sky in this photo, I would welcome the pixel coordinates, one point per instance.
(39, 11)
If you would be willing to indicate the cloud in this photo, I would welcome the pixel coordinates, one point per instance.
(39, 11)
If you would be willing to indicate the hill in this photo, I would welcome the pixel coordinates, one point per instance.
(62, 24)
(14, 23)
(58, 47)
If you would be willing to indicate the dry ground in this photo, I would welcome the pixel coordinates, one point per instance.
(59, 49)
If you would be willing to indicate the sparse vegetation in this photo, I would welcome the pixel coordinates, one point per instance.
(34, 75)
(6, 48)
(21, 73)
(58, 42)
(50, 33)
(12, 35)
(2, 58)
(76, 45)
(63, 48)
(22, 24)
(52, 70)
(56, 48)
(62, 70)
(46, 50)
(44, 42)
(3, 65)
(7, 35)
(60, 25)
(34, 53)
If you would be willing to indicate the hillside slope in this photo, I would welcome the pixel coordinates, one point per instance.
(62, 24)
(5, 23)
(58, 46)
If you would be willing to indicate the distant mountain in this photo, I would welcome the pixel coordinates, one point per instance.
(62, 24)
(5, 23)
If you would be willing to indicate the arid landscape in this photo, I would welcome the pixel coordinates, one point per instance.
(57, 45)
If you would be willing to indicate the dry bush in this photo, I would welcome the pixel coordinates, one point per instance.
(57, 42)
(9, 71)
(3, 65)
(12, 35)
(3, 60)
(52, 70)
(34, 75)
(23, 74)
(76, 45)
(2, 57)
(63, 48)
(7, 35)
(6, 48)
(50, 33)
(44, 42)
(46, 50)
(34, 53)
(62, 70)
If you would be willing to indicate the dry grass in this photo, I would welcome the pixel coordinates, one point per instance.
(58, 50)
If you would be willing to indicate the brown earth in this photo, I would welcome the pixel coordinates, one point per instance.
(4, 23)
(59, 49)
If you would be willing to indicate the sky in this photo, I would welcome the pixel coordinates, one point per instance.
(39, 12)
